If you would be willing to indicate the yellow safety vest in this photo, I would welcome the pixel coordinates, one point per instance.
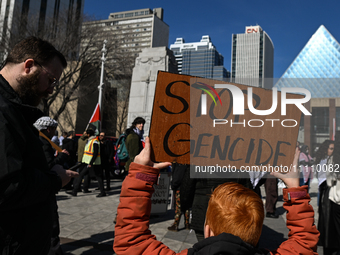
(88, 153)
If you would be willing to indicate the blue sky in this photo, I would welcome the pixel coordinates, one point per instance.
(288, 23)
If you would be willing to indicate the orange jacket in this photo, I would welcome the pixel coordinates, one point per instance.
(132, 234)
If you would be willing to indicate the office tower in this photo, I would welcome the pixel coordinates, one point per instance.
(252, 60)
(127, 33)
(199, 59)
(317, 69)
(132, 31)
(19, 18)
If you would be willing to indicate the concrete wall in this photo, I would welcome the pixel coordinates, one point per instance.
(143, 84)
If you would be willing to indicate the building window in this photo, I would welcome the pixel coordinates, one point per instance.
(320, 120)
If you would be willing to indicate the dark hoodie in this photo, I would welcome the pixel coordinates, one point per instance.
(225, 244)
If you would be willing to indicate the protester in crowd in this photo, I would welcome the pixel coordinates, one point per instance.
(329, 214)
(62, 137)
(47, 127)
(134, 143)
(321, 165)
(92, 160)
(80, 152)
(82, 141)
(107, 153)
(234, 216)
(55, 138)
(184, 190)
(71, 146)
(27, 186)
(134, 139)
(271, 189)
(306, 162)
(203, 190)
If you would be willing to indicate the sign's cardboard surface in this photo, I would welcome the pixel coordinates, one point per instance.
(181, 132)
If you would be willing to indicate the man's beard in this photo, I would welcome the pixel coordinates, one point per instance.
(28, 89)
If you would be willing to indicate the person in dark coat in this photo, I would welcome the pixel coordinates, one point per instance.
(70, 145)
(47, 126)
(184, 190)
(329, 207)
(107, 152)
(134, 140)
(27, 185)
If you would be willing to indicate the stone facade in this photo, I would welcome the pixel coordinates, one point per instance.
(143, 83)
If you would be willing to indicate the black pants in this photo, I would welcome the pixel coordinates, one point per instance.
(96, 171)
(107, 174)
(270, 186)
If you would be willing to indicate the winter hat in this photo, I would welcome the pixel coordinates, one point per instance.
(45, 122)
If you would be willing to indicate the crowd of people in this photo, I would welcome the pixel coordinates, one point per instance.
(227, 214)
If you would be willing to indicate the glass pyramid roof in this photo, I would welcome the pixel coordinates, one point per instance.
(316, 68)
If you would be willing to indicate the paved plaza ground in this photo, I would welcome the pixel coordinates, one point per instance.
(87, 226)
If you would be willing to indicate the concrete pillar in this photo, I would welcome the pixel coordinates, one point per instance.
(332, 115)
(143, 83)
(307, 126)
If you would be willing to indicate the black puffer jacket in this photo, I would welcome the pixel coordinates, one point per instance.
(27, 186)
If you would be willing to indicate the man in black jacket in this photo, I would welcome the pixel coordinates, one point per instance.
(47, 127)
(107, 152)
(27, 185)
(70, 145)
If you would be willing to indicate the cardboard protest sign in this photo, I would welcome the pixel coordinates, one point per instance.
(160, 197)
(207, 122)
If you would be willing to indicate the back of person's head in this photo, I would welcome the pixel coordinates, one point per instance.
(237, 210)
(138, 120)
(45, 122)
(71, 133)
(90, 132)
(39, 50)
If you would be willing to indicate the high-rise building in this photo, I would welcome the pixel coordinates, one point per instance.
(317, 69)
(252, 60)
(127, 33)
(132, 31)
(199, 59)
(17, 17)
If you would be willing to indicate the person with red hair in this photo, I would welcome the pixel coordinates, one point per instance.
(234, 216)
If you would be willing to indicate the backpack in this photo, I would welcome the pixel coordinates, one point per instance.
(122, 152)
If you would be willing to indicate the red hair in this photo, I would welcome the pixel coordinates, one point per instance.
(237, 210)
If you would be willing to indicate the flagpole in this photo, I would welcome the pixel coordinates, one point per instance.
(100, 87)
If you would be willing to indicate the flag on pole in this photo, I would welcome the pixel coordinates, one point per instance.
(96, 115)
(95, 120)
